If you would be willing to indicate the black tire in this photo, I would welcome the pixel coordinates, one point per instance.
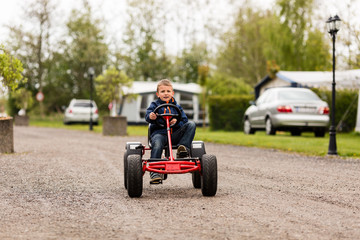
(134, 176)
(197, 152)
(196, 179)
(130, 150)
(125, 169)
(295, 133)
(269, 128)
(247, 127)
(320, 133)
(209, 175)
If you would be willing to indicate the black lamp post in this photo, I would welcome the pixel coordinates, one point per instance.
(333, 26)
(91, 73)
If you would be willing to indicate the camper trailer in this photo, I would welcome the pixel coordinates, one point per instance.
(141, 94)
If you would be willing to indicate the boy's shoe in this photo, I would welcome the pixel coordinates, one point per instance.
(155, 178)
(182, 152)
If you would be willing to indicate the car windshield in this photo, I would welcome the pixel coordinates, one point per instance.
(297, 95)
(83, 104)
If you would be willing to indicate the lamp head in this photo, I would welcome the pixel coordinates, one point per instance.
(91, 71)
(333, 24)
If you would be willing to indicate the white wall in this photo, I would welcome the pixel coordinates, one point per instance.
(357, 128)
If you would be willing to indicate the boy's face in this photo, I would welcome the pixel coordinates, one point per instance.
(165, 93)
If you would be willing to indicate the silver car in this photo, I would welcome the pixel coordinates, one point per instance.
(287, 109)
(78, 111)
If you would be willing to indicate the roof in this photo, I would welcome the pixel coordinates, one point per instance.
(345, 79)
(139, 87)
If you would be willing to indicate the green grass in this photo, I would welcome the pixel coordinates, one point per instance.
(347, 143)
(56, 121)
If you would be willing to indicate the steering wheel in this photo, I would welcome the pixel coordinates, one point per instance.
(176, 115)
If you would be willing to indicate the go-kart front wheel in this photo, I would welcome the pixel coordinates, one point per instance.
(134, 176)
(209, 175)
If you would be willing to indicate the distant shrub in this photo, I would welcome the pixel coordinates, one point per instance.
(227, 112)
(345, 107)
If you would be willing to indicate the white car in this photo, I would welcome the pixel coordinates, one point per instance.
(78, 111)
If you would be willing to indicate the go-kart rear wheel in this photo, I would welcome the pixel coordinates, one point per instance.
(209, 175)
(134, 176)
(197, 150)
(196, 179)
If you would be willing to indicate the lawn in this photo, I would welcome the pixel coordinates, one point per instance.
(347, 143)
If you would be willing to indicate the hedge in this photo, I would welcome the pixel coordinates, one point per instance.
(227, 112)
(345, 107)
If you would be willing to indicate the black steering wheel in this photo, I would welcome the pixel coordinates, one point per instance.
(176, 115)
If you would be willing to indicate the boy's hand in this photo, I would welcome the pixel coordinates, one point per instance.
(173, 121)
(152, 116)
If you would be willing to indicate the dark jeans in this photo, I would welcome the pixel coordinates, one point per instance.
(183, 136)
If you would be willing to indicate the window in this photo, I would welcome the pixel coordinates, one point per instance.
(297, 95)
(79, 104)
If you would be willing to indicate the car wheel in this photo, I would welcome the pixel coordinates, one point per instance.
(296, 132)
(319, 133)
(209, 175)
(247, 127)
(269, 128)
(134, 176)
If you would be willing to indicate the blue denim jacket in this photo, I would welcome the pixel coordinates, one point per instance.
(154, 129)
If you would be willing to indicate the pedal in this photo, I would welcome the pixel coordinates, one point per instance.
(155, 182)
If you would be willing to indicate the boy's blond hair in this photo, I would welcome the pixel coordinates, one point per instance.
(164, 82)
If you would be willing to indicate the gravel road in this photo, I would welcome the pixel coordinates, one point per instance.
(62, 184)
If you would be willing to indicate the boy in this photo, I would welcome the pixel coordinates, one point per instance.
(182, 134)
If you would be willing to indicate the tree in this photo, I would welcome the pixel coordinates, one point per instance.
(221, 84)
(10, 70)
(145, 58)
(349, 36)
(32, 46)
(82, 46)
(241, 54)
(23, 99)
(285, 38)
(296, 16)
(186, 67)
(110, 86)
(86, 48)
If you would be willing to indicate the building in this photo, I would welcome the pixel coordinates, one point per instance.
(344, 80)
(186, 94)
(349, 79)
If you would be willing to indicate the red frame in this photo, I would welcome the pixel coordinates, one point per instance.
(170, 165)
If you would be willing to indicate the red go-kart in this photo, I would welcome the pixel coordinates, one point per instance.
(202, 166)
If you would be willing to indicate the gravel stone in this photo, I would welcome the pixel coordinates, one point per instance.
(64, 184)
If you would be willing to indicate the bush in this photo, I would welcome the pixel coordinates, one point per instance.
(227, 112)
(346, 107)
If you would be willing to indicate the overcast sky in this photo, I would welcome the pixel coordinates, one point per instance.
(114, 11)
